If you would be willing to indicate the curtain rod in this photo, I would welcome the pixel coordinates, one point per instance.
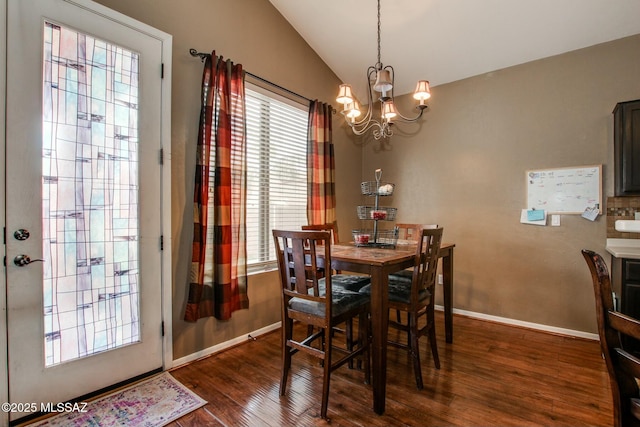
(203, 56)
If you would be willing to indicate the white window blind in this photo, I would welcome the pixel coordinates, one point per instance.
(276, 131)
(276, 171)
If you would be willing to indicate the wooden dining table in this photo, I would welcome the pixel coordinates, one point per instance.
(379, 263)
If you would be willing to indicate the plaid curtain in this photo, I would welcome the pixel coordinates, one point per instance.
(218, 279)
(321, 195)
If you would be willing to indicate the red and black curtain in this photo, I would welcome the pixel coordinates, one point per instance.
(321, 203)
(218, 276)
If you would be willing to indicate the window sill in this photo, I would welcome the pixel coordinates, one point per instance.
(261, 268)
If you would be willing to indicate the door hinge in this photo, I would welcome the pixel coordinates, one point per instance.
(162, 156)
(162, 327)
(162, 243)
(4, 235)
(162, 71)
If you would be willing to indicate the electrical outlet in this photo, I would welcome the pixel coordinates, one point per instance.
(555, 220)
(440, 279)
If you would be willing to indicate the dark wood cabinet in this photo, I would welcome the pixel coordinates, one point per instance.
(630, 295)
(626, 138)
(625, 281)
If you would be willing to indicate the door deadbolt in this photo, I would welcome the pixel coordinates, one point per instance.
(22, 260)
(21, 234)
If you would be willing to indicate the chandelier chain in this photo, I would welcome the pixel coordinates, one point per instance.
(379, 64)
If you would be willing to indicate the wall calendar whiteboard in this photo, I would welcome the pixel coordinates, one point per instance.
(565, 190)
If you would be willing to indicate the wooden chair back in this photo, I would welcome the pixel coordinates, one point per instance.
(614, 329)
(409, 233)
(426, 263)
(332, 227)
(298, 254)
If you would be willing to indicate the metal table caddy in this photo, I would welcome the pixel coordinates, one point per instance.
(376, 237)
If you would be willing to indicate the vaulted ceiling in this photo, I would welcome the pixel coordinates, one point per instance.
(447, 40)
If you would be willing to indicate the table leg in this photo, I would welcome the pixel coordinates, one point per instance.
(379, 324)
(447, 290)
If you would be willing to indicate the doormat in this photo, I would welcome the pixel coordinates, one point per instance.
(154, 402)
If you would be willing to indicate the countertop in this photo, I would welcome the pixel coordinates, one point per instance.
(624, 248)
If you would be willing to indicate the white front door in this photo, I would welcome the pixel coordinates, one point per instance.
(84, 187)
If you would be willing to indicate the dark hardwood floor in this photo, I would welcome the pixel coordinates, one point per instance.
(492, 375)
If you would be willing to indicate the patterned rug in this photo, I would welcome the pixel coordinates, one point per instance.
(156, 401)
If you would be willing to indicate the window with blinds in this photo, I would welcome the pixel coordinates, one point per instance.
(276, 171)
(276, 131)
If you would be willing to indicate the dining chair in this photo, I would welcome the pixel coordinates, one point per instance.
(313, 300)
(614, 328)
(417, 299)
(352, 282)
(407, 234)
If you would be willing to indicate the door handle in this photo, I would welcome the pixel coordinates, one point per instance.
(22, 260)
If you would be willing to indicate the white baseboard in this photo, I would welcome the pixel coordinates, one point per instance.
(530, 325)
(545, 328)
(224, 345)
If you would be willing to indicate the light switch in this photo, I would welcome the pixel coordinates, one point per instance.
(555, 220)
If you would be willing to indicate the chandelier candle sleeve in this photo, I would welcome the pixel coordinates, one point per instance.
(383, 78)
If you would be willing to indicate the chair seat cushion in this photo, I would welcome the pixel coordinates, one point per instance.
(343, 301)
(399, 291)
(342, 283)
(350, 282)
(402, 276)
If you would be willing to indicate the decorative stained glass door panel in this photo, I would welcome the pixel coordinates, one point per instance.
(83, 198)
(90, 195)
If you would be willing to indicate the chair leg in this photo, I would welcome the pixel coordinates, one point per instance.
(349, 333)
(287, 334)
(434, 347)
(326, 375)
(323, 346)
(399, 320)
(432, 337)
(365, 342)
(415, 349)
(409, 330)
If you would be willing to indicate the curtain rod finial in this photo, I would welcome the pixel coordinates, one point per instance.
(202, 56)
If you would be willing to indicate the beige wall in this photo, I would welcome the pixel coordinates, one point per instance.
(466, 171)
(266, 45)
